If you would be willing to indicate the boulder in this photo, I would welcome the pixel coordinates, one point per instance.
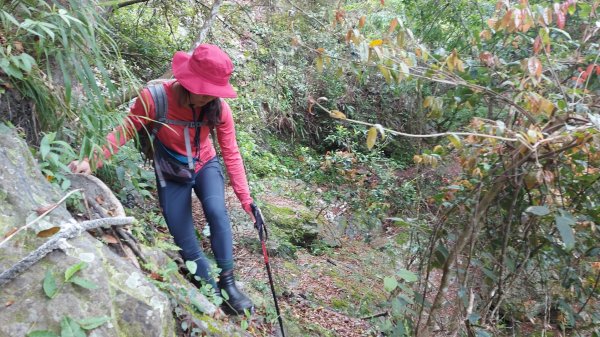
(130, 304)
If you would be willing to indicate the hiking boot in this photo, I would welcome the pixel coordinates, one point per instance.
(236, 302)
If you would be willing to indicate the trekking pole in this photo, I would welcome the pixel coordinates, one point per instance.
(263, 236)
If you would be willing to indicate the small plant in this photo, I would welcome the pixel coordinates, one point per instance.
(50, 286)
(70, 327)
(53, 153)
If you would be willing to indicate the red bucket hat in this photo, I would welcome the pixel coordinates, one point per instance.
(205, 72)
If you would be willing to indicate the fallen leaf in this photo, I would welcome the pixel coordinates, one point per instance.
(156, 276)
(9, 303)
(48, 232)
(9, 233)
(337, 114)
(43, 209)
(109, 238)
(100, 200)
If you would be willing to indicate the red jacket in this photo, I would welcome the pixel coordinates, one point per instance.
(172, 137)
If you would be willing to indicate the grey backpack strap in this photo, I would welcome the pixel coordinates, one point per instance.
(161, 106)
(159, 97)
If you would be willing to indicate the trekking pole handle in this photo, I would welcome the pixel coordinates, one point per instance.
(260, 223)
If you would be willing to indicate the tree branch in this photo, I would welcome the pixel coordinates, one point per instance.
(55, 242)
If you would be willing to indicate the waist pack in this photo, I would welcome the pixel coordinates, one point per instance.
(167, 164)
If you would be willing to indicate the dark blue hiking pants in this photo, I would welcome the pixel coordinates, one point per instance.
(176, 203)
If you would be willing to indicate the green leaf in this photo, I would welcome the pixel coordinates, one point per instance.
(84, 283)
(73, 269)
(191, 266)
(390, 283)
(45, 145)
(11, 70)
(49, 284)
(42, 333)
(538, 210)
(10, 18)
(70, 328)
(26, 62)
(93, 322)
(407, 275)
(564, 223)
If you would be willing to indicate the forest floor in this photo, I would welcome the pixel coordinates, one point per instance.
(336, 292)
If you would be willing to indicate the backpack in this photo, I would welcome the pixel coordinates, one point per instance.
(166, 165)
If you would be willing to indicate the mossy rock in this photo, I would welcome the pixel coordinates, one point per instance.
(298, 225)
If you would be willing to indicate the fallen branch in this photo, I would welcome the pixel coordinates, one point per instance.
(55, 242)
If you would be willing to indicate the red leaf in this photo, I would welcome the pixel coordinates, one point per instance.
(537, 44)
(382, 2)
(560, 16)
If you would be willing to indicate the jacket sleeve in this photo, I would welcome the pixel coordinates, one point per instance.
(140, 115)
(232, 157)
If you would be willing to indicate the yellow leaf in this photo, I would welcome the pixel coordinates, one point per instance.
(371, 137)
(48, 232)
(455, 141)
(417, 159)
(319, 63)
(374, 43)
(400, 39)
(428, 101)
(438, 149)
(450, 61)
(386, 73)
(337, 114)
(546, 106)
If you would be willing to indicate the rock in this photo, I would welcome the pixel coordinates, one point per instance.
(133, 305)
(297, 224)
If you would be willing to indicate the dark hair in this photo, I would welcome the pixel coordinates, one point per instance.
(210, 113)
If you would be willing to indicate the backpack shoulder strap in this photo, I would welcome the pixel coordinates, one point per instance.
(161, 106)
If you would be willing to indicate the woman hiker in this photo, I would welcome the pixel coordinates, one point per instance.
(195, 105)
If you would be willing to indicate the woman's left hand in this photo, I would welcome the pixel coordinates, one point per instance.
(248, 209)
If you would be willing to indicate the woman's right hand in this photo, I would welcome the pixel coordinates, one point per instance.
(82, 166)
